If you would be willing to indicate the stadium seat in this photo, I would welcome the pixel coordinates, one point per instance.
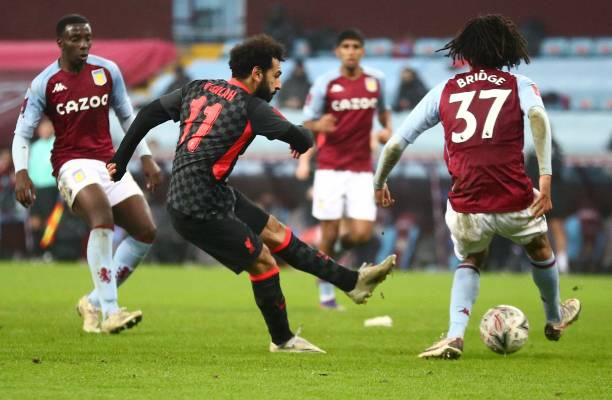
(378, 47)
(581, 47)
(426, 47)
(603, 46)
(555, 46)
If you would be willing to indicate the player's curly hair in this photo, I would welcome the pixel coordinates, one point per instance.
(489, 41)
(256, 51)
(68, 20)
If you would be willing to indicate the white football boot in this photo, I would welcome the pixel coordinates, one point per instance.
(369, 277)
(120, 320)
(90, 314)
(570, 311)
(296, 344)
(447, 349)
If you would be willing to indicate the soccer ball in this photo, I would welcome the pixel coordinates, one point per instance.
(504, 329)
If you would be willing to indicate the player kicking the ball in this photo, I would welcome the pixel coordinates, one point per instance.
(482, 114)
(218, 121)
(76, 92)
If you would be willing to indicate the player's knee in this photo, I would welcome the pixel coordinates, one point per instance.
(475, 259)
(359, 236)
(264, 263)
(539, 248)
(100, 218)
(274, 232)
(147, 235)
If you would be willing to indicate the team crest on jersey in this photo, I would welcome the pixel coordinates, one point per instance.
(371, 84)
(99, 76)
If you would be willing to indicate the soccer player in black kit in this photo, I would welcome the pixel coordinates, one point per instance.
(218, 120)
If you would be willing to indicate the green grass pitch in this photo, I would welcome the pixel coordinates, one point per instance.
(202, 337)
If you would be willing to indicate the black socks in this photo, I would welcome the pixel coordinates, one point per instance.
(303, 257)
(271, 302)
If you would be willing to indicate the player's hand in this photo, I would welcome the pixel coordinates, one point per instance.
(152, 172)
(25, 192)
(543, 202)
(295, 154)
(114, 172)
(326, 124)
(383, 135)
(383, 197)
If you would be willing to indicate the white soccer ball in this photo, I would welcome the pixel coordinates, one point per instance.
(504, 329)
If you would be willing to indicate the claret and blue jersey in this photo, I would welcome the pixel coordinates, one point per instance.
(353, 102)
(482, 114)
(77, 104)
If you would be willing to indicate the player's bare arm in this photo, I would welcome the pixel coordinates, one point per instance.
(391, 154)
(542, 138)
(302, 171)
(326, 124)
(383, 135)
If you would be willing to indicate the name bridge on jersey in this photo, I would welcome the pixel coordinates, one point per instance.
(480, 76)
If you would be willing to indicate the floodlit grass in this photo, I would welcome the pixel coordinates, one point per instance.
(203, 337)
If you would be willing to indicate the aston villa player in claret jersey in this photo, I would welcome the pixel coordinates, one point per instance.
(482, 114)
(340, 109)
(218, 121)
(76, 92)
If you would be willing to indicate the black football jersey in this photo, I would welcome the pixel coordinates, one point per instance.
(218, 121)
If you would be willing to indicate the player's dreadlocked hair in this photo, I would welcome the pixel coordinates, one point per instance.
(67, 20)
(489, 41)
(257, 51)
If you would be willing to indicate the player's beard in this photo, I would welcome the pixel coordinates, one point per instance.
(263, 90)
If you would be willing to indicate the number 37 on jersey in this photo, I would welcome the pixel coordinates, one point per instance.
(465, 99)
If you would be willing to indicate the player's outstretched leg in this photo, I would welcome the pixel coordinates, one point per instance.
(546, 277)
(466, 285)
(265, 280)
(358, 285)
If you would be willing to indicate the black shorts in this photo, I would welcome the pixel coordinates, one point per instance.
(232, 239)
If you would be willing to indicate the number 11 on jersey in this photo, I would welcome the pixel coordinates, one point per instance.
(210, 117)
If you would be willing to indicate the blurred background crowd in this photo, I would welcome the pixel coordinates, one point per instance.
(162, 44)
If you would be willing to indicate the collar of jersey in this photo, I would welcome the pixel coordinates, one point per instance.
(236, 82)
